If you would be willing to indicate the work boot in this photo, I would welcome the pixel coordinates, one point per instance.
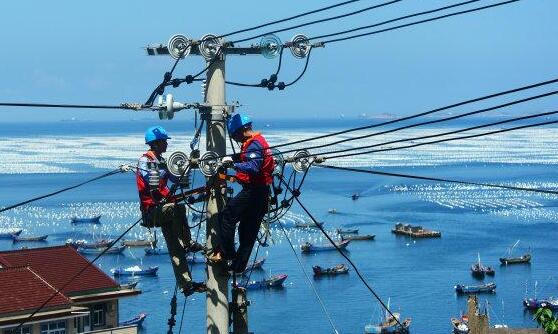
(194, 287)
(195, 247)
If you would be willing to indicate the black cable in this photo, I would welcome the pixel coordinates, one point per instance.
(419, 22)
(446, 133)
(288, 18)
(346, 258)
(160, 89)
(303, 71)
(269, 83)
(13, 206)
(429, 112)
(74, 106)
(408, 176)
(394, 20)
(475, 112)
(76, 276)
(319, 21)
(442, 140)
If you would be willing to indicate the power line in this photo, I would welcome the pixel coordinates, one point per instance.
(417, 177)
(419, 22)
(471, 113)
(442, 140)
(134, 106)
(446, 133)
(76, 276)
(322, 304)
(341, 252)
(320, 21)
(430, 112)
(288, 18)
(13, 206)
(394, 20)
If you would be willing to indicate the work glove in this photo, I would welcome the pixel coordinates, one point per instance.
(227, 162)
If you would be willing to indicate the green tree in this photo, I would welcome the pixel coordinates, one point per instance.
(547, 320)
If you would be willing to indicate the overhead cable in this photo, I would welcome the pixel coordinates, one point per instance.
(393, 20)
(319, 21)
(419, 22)
(417, 177)
(133, 106)
(342, 254)
(441, 140)
(434, 121)
(13, 206)
(322, 304)
(445, 133)
(288, 18)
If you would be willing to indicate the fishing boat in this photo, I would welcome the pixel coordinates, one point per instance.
(533, 304)
(415, 231)
(358, 237)
(389, 325)
(460, 326)
(99, 250)
(478, 270)
(9, 233)
(355, 196)
(135, 271)
(82, 243)
(86, 220)
(332, 210)
(347, 231)
(470, 289)
(17, 238)
(336, 270)
(139, 243)
(275, 281)
(137, 320)
(307, 225)
(310, 248)
(509, 259)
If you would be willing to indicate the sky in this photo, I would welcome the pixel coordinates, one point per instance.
(92, 53)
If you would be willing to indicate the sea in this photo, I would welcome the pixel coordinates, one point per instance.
(415, 276)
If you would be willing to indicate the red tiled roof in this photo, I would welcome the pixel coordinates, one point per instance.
(58, 265)
(24, 290)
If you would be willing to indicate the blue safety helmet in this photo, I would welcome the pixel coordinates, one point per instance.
(155, 133)
(237, 122)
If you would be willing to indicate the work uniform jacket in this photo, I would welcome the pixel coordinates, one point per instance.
(255, 163)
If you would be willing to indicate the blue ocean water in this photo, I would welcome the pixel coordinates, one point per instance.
(416, 276)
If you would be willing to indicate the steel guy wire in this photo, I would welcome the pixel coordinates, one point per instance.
(427, 178)
(344, 255)
(445, 133)
(419, 22)
(320, 21)
(58, 290)
(443, 140)
(394, 20)
(322, 304)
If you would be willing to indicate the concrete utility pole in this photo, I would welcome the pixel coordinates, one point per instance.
(214, 113)
(217, 275)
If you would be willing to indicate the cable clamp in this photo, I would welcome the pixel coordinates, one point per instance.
(295, 192)
(124, 168)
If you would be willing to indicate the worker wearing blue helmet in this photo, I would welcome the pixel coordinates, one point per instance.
(254, 167)
(159, 209)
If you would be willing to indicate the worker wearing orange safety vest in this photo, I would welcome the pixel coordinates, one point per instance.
(254, 167)
(159, 209)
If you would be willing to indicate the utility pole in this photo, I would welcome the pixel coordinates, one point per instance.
(217, 303)
(214, 112)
